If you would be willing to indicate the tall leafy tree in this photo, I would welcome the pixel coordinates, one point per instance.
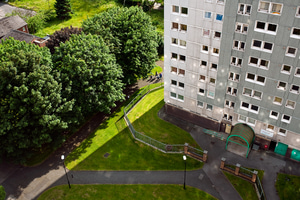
(63, 9)
(131, 37)
(61, 36)
(89, 73)
(32, 111)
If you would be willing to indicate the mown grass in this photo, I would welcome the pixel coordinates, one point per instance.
(244, 188)
(82, 9)
(117, 192)
(288, 186)
(125, 153)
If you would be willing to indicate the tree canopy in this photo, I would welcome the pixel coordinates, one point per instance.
(131, 37)
(32, 109)
(63, 9)
(89, 73)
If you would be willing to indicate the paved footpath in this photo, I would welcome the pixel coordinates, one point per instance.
(27, 183)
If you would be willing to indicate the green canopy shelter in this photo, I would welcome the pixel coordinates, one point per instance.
(281, 148)
(243, 135)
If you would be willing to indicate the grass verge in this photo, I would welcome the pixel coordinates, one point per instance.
(117, 192)
(244, 188)
(288, 186)
(112, 147)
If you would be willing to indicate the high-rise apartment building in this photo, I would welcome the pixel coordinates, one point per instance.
(235, 61)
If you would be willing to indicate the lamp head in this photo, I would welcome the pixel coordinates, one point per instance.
(62, 157)
(184, 157)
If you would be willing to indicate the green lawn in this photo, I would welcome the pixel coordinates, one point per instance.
(82, 9)
(118, 192)
(288, 186)
(125, 153)
(244, 188)
(144, 119)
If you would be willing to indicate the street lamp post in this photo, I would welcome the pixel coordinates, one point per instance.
(184, 158)
(63, 158)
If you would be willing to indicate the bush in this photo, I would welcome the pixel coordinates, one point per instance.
(2, 193)
(160, 42)
(36, 22)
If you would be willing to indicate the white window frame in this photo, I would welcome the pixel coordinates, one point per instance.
(281, 87)
(259, 63)
(297, 72)
(270, 129)
(266, 28)
(213, 68)
(217, 38)
(297, 12)
(200, 106)
(261, 48)
(288, 106)
(174, 41)
(182, 100)
(173, 27)
(209, 94)
(273, 116)
(239, 47)
(204, 51)
(234, 76)
(294, 91)
(214, 50)
(172, 96)
(211, 82)
(236, 63)
(174, 81)
(216, 15)
(285, 120)
(293, 35)
(181, 87)
(200, 79)
(252, 92)
(187, 10)
(285, 71)
(201, 63)
(181, 25)
(282, 133)
(174, 58)
(277, 102)
(242, 25)
(249, 108)
(244, 10)
(246, 120)
(207, 18)
(290, 54)
(174, 9)
(209, 105)
(270, 7)
(255, 79)
(201, 93)
(232, 91)
(231, 104)
(180, 74)
(182, 60)
(182, 43)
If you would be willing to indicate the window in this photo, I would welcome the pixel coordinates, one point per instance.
(201, 91)
(239, 45)
(247, 120)
(270, 7)
(174, 56)
(180, 97)
(241, 28)
(182, 43)
(234, 76)
(274, 114)
(252, 93)
(219, 17)
(181, 58)
(175, 9)
(290, 104)
(242, 118)
(298, 12)
(231, 91)
(174, 41)
(291, 51)
(286, 118)
(282, 132)
(184, 10)
(244, 9)
(205, 48)
(181, 72)
(262, 45)
(229, 104)
(172, 94)
(212, 81)
(173, 82)
(297, 72)
(203, 63)
(270, 128)
(209, 107)
(255, 78)
(265, 27)
(217, 35)
(277, 100)
(286, 69)
(211, 94)
(207, 15)
(174, 70)
(257, 62)
(281, 85)
(294, 89)
(202, 78)
(183, 27)
(214, 66)
(216, 51)
(206, 32)
(174, 25)
(200, 104)
(227, 117)
(249, 107)
(220, 1)
(180, 84)
(236, 61)
(295, 33)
